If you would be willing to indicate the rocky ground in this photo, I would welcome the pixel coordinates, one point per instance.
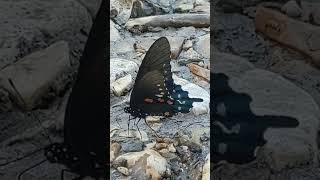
(182, 148)
(41, 42)
(280, 74)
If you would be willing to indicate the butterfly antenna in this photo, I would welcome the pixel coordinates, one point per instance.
(20, 175)
(24, 103)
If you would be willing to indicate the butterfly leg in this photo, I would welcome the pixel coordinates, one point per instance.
(128, 125)
(20, 175)
(136, 124)
(145, 120)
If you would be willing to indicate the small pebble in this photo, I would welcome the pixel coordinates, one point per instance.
(123, 170)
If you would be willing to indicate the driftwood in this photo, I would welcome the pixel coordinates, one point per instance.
(295, 34)
(169, 20)
(199, 71)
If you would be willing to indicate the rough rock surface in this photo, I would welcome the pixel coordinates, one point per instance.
(37, 76)
(290, 147)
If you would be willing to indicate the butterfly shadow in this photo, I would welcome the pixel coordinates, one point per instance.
(236, 131)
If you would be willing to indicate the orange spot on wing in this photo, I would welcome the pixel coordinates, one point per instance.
(148, 100)
(161, 100)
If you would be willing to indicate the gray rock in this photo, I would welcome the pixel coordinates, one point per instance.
(203, 46)
(37, 75)
(92, 6)
(121, 10)
(292, 9)
(30, 25)
(120, 68)
(145, 8)
(286, 147)
(114, 33)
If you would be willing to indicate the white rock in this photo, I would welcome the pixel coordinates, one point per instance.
(187, 45)
(155, 165)
(153, 119)
(121, 67)
(195, 91)
(285, 147)
(183, 5)
(171, 148)
(206, 169)
(121, 85)
(202, 46)
(114, 33)
(123, 170)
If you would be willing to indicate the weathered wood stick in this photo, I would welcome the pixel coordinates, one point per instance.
(199, 71)
(295, 34)
(170, 20)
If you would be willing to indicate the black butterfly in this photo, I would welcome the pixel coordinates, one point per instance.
(154, 92)
(84, 150)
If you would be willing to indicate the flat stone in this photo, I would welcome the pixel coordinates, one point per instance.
(35, 75)
(285, 147)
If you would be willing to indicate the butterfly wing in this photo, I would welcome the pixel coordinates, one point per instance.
(155, 92)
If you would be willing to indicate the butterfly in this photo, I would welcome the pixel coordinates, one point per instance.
(154, 92)
(84, 150)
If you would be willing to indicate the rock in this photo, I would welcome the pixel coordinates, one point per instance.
(201, 9)
(171, 148)
(30, 25)
(121, 68)
(183, 6)
(199, 71)
(150, 162)
(195, 92)
(153, 119)
(145, 8)
(114, 151)
(120, 10)
(176, 44)
(197, 133)
(122, 85)
(92, 6)
(37, 76)
(206, 169)
(164, 5)
(292, 9)
(159, 146)
(203, 46)
(131, 145)
(123, 170)
(285, 147)
(114, 33)
(122, 48)
(187, 45)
